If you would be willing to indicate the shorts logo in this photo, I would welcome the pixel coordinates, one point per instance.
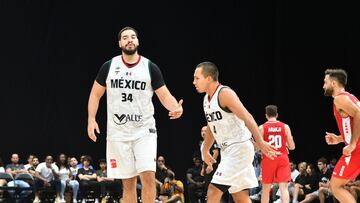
(347, 160)
(113, 163)
(342, 170)
(218, 173)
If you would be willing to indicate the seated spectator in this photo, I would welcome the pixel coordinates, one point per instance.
(47, 174)
(87, 179)
(161, 172)
(323, 190)
(66, 178)
(172, 191)
(107, 185)
(80, 165)
(73, 167)
(15, 168)
(354, 188)
(332, 164)
(2, 181)
(30, 161)
(195, 181)
(35, 163)
(301, 181)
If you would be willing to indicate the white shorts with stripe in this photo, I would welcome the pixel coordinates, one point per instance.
(235, 168)
(126, 159)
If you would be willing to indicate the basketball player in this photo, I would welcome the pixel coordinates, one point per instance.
(130, 81)
(228, 123)
(277, 170)
(346, 109)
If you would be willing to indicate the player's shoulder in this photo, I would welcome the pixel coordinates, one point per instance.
(226, 91)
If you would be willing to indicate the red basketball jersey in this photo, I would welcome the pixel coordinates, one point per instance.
(274, 134)
(345, 125)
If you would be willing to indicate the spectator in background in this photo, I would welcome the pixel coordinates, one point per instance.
(207, 171)
(66, 178)
(323, 183)
(354, 188)
(161, 171)
(15, 168)
(47, 174)
(87, 178)
(332, 164)
(80, 165)
(107, 185)
(301, 180)
(2, 181)
(172, 191)
(30, 161)
(73, 167)
(35, 163)
(195, 181)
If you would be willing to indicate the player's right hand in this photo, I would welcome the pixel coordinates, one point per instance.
(331, 139)
(269, 150)
(92, 126)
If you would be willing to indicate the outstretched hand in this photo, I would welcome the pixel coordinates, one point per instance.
(92, 126)
(177, 112)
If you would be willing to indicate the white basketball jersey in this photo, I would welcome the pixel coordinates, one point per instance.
(226, 127)
(129, 100)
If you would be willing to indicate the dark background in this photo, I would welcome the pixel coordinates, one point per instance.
(272, 52)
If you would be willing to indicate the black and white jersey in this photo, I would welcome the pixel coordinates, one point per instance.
(129, 89)
(225, 126)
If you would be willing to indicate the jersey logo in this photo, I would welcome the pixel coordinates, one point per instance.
(127, 84)
(124, 118)
(117, 70)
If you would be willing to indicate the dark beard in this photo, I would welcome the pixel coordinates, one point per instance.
(328, 92)
(129, 52)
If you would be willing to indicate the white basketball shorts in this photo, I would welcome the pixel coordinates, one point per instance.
(235, 168)
(129, 158)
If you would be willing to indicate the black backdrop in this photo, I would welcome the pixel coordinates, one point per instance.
(272, 52)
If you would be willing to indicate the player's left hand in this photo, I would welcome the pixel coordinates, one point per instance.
(209, 169)
(209, 160)
(348, 149)
(176, 113)
(269, 150)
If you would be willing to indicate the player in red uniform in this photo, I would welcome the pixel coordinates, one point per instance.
(347, 114)
(278, 134)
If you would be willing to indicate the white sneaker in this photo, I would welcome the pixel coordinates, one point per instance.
(62, 200)
(83, 200)
(36, 200)
(96, 200)
(74, 200)
(255, 197)
(277, 201)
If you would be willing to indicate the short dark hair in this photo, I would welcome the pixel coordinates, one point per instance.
(209, 69)
(87, 158)
(127, 28)
(271, 110)
(102, 161)
(339, 75)
(323, 160)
